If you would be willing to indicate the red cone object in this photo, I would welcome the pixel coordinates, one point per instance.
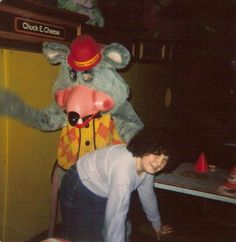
(201, 165)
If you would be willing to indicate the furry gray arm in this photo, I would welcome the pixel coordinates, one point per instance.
(127, 121)
(48, 119)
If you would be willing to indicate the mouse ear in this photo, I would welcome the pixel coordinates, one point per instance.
(116, 56)
(55, 52)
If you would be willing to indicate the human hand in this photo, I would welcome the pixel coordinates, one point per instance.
(164, 230)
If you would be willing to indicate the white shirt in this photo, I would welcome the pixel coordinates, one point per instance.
(111, 172)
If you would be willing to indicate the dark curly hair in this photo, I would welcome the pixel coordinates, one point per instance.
(149, 141)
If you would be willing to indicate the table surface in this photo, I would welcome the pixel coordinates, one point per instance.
(185, 180)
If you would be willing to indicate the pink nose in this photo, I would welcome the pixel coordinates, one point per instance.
(83, 100)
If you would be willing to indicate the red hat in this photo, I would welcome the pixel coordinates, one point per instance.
(84, 53)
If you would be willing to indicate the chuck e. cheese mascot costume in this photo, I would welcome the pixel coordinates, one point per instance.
(90, 117)
(89, 103)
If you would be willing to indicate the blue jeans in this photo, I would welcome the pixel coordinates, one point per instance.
(82, 211)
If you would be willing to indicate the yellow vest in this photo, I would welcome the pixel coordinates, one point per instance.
(75, 142)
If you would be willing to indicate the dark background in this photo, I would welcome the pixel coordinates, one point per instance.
(203, 113)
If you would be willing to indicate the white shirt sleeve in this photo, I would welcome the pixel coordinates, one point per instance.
(116, 212)
(120, 187)
(149, 202)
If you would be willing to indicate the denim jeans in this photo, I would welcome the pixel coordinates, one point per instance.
(82, 211)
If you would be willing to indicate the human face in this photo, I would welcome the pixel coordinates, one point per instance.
(151, 163)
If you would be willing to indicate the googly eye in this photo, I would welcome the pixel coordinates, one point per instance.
(73, 75)
(87, 75)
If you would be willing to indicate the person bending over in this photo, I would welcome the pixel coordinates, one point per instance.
(96, 190)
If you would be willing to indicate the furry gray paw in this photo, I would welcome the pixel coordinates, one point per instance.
(10, 104)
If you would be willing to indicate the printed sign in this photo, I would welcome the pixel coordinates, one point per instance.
(33, 27)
